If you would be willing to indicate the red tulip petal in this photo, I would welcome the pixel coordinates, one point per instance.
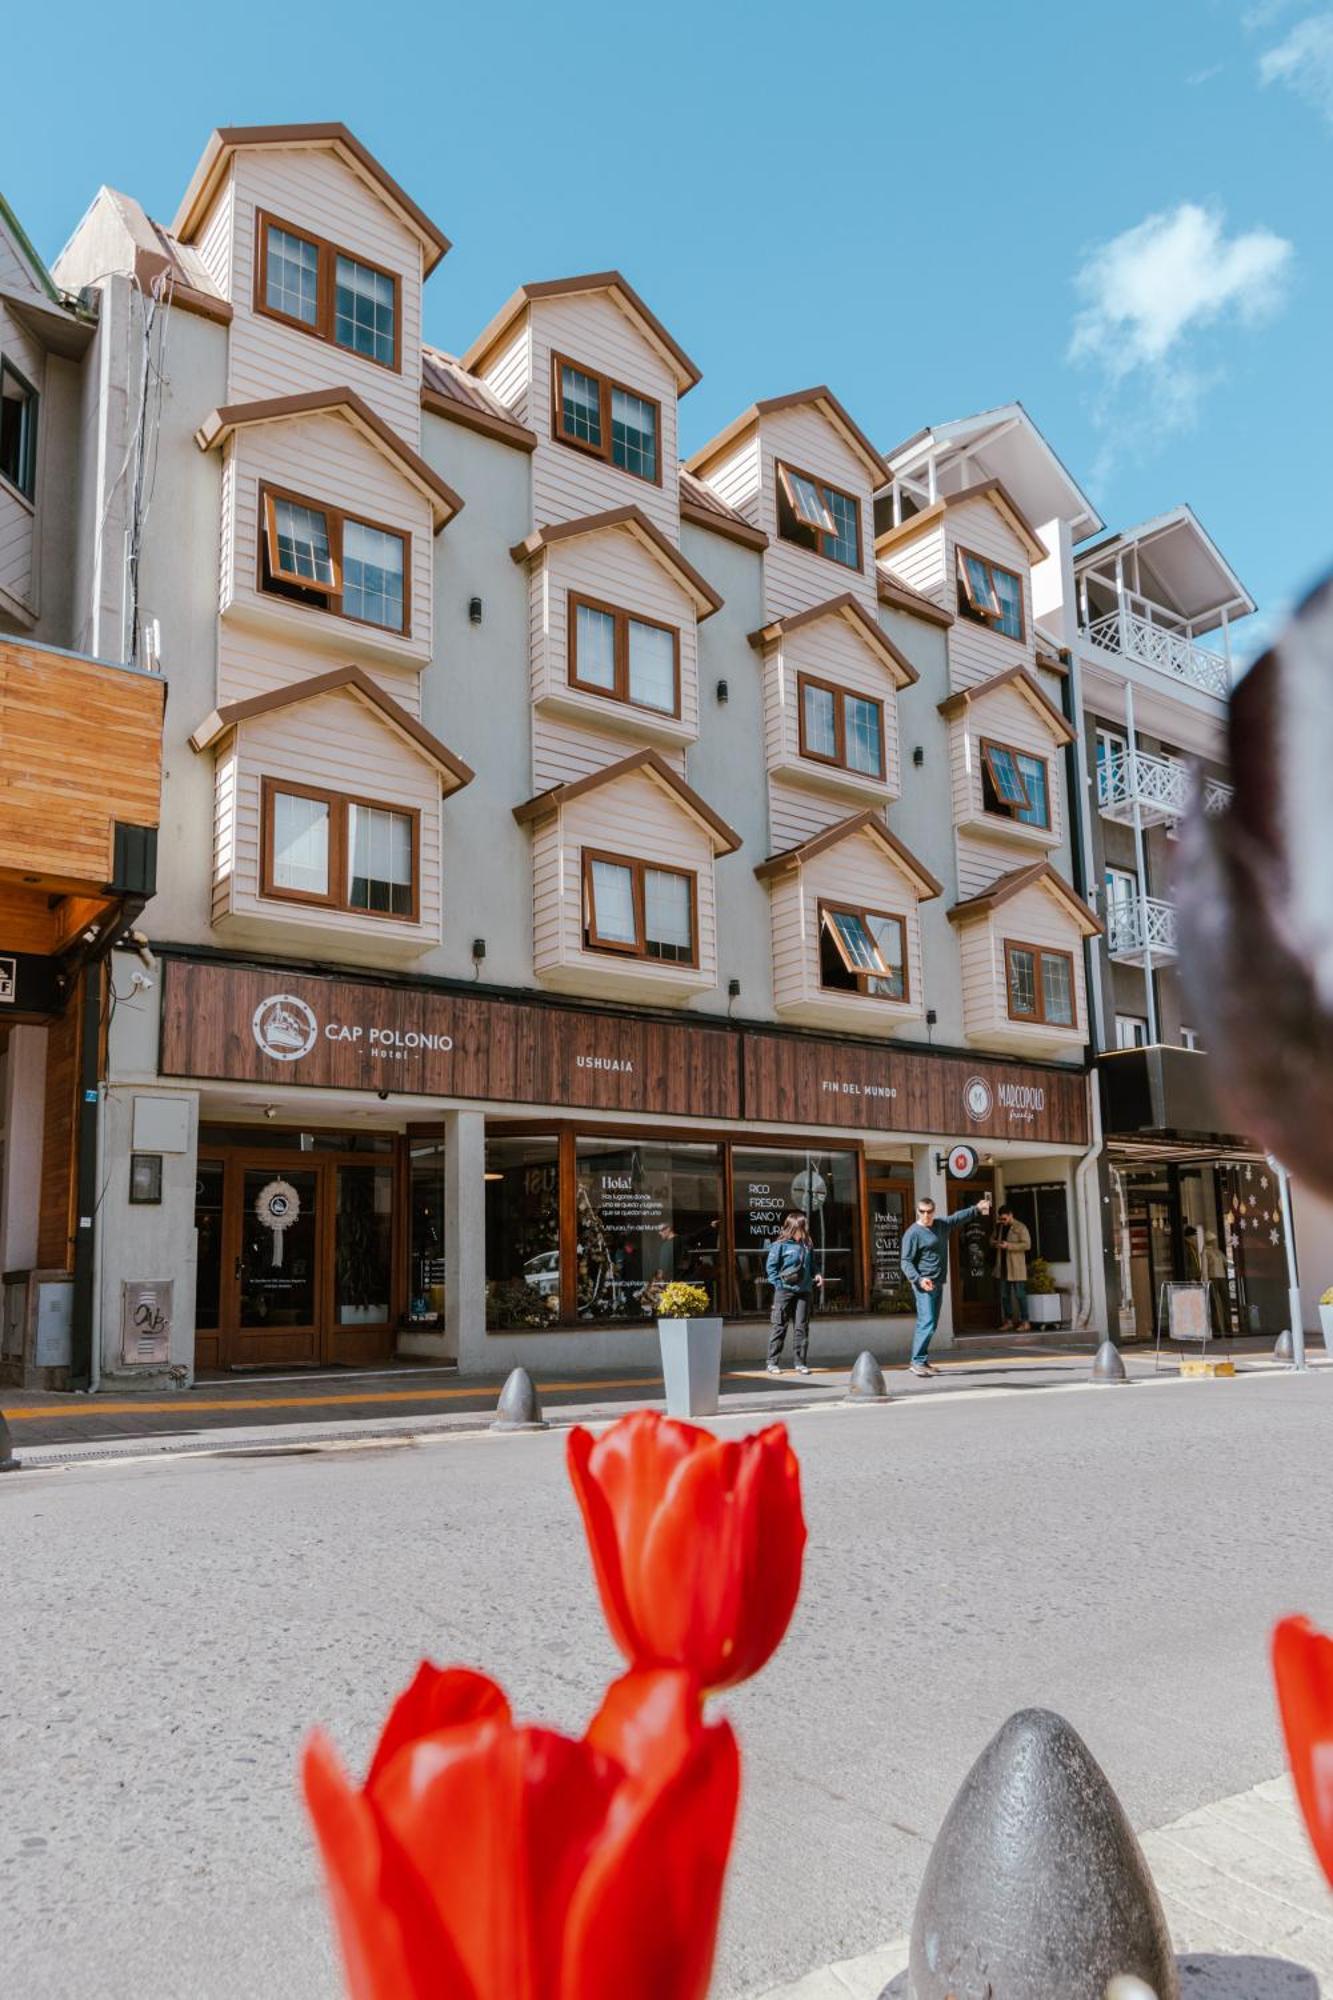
(437, 1698)
(603, 1544)
(648, 1722)
(1303, 1671)
(644, 1919)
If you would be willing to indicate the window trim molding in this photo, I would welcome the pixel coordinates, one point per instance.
(781, 465)
(328, 253)
(1038, 1019)
(838, 762)
(827, 907)
(623, 618)
(338, 895)
(335, 519)
(638, 869)
(961, 557)
(29, 499)
(985, 744)
(605, 384)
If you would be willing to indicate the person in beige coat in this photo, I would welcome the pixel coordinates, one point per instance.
(1011, 1243)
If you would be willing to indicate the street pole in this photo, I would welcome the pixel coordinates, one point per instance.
(1293, 1279)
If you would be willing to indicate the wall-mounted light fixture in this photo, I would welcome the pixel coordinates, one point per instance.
(479, 948)
(931, 1017)
(918, 756)
(474, 610)
(733, 989)
(723, 691)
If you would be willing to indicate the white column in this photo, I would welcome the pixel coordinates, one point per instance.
(930, 1182)
(465, 1240)
(1294, 1311)
(1140, 862)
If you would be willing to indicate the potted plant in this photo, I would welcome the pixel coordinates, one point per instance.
(690, 1336)
(1326, 1318)
(1046, 1304)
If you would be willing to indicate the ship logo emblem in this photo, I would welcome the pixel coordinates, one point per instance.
(284, 1027)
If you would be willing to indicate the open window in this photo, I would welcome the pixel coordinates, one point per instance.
(639, 910)
(818, 516)
(321, 556)
(1015, 784)
(862, 951)
(989, 594)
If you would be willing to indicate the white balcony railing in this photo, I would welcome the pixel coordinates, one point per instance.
(1158, 786)
(1216, 796)
(1139, 925)
(1138, 638)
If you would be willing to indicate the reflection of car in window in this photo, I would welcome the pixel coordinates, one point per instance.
(543, 1273)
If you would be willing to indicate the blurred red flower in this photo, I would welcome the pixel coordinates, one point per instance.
(1303, 1671)
(483, 1861)
(696, 1542)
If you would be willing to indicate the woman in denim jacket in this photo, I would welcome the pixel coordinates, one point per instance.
(790, 1270)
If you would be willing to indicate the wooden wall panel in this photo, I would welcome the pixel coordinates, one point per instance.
(55, 1228)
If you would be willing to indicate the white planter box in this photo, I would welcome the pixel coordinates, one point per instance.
(691, 1365)
(1326, 1327)
(1047, 1308)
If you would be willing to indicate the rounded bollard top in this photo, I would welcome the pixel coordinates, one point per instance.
(1108, 1363)
(519, 1408)
(1125, 1987)
(1285, 1348)
(1036, 1885)
(866, 1383)
(8, 1462)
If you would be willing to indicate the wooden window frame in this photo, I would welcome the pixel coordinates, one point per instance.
(987, 744)
(829, 909)
(328, 254)
(623, 620)
(637, 869)
(840, 697)
(605, 385)
(336, 519)
(967, 603)
(1039, 1018)
(338, 895)
(782, 469)
(27, 494)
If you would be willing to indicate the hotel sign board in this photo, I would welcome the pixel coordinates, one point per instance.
(257, 1025)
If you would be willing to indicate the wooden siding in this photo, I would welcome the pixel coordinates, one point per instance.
(737, 478)
(55, 1226)
(256, 656)
(589, 328)
(920, 564)
(82, 749)
(224, 830)
(976, 653)
(858, 872)
(795, 578)
(509, 374)
(630, 816)
(324, 458)
(1033, 917)
(18, 520)
(316, 191)
(797, 812)
(14, 269)
(215, 239)
(565, 747)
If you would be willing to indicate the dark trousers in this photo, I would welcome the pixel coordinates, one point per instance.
(790, 1309)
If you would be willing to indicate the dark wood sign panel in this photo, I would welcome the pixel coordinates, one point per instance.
(245, 1024)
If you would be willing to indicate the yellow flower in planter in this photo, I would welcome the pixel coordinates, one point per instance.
(684, 1302)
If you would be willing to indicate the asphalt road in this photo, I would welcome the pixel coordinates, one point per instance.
(172, 1628)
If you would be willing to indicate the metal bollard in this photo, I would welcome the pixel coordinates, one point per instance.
(866, 1382)
(1108, 1363)
(519, 1408)
(8, 1462)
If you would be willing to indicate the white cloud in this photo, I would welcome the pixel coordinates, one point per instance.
(1304, 62)
(1151, 293)
(1198, 76)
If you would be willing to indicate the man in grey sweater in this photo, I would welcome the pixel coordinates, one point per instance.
(926, 1267)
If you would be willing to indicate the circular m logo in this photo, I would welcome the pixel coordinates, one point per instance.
(977, 1099)
(284, 1027)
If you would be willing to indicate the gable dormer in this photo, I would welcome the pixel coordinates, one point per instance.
(972, 553)
(591, 370)
(322, 257)
(801, 470)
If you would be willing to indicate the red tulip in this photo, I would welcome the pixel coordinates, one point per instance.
(1303, 1671)
(696, 1542)
(482, 1861)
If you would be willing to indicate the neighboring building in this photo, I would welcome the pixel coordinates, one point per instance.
(573, 857)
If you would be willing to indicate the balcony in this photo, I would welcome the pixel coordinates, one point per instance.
(1157, 787)
(1216, 796)
(1140, 927)
(1142, 639)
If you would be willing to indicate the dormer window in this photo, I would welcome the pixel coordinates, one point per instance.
(1039, 984)
(624, 657)
(841, 728)
(1015, 784)
(638, 910)
(819, 517)
(18, 431)
(344, 853)
(862, 951)
(604, 418)
(312, 284)
(990, 595)
(333, 561)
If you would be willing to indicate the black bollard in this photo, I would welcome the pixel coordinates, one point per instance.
(8, 1462)
(1284, 1349)
(1108, 1363)
(866, 1383)
(1035, 1886)
(518, 1408)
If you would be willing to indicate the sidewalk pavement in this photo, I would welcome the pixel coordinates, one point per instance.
(1250, 1914)
(406, 1401)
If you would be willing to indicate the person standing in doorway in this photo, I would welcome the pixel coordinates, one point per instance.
(926, 1266)
(790, 1270)
(1011, 1242)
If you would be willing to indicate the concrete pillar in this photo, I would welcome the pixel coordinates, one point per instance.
(146, 1243)
(24, 1094)
(929, 1180)
(465, 1240)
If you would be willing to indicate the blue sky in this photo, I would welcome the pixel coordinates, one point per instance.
(1119, 218)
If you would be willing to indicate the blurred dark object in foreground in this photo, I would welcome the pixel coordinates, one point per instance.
(1255, 894)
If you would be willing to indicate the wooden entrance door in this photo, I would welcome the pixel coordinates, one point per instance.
(976, 1296)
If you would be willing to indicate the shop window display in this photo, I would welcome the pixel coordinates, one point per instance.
(647, 1214)
(767, 1183)
(522, 1232)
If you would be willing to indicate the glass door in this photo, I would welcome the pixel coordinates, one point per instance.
(209, 1209)
(890, 1213)
(277, 1269)
(362, 1287)
(976, 1296)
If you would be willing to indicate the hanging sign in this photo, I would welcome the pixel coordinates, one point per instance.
(277, 1206)
(963, 1162)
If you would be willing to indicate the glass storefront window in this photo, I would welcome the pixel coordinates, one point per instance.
(208, 1252)
(647, 1214)
(425, 1264)
(766, 1183)
(363, 1245)
(522, 1232)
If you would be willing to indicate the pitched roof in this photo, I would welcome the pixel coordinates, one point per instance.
(625, 297)
(822, 398)
(354, 681)
(989, 489)
(335, 138)
(1022, 680)
(706, 509)
(220, 424)
(1037, 875)
(854, 613)
(23, 243)
(868, 822)
(899, 597)
(653, 765)
(447, 390)
(637, 523)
